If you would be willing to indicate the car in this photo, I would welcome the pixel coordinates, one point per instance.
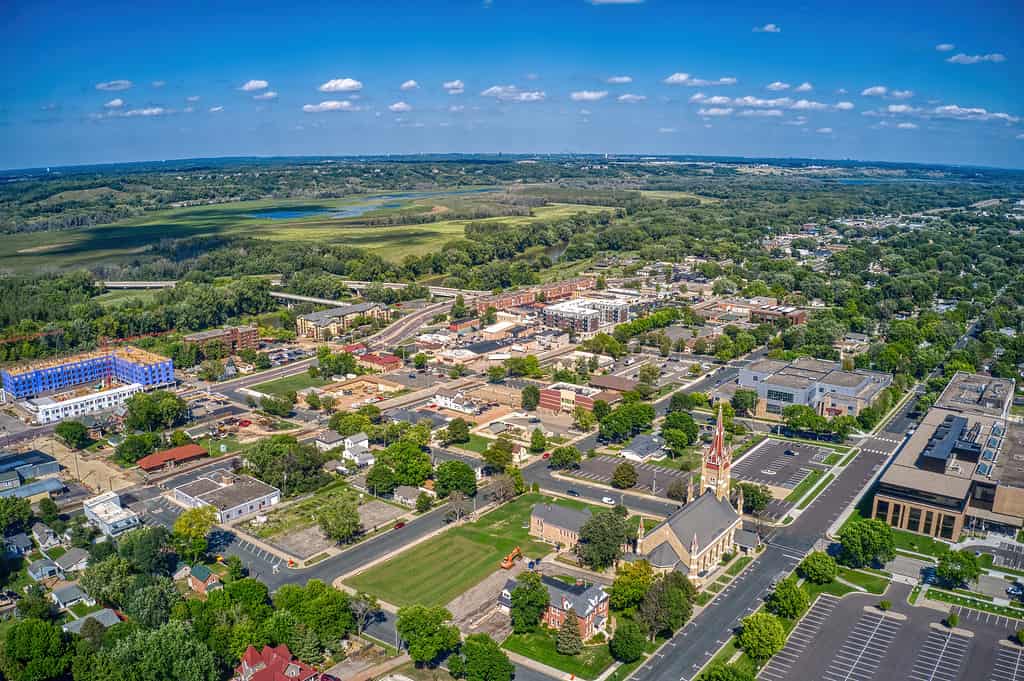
(399, 525)
(572, 493)
(778, 578)
(546, 455)
(608, 500)
(789, 452)
(412, 375)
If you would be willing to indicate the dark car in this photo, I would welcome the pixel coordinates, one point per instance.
(789, 452)
(572, 493)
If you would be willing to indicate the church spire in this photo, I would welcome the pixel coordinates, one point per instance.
(716, 464)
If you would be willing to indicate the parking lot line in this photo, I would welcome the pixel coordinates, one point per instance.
(864, 648)
(803, 634)
(941, 657)
(1008, 665)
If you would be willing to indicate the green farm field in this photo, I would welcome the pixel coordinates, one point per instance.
(124, 240)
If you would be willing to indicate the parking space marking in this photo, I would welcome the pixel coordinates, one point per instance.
(1008, 665)
(864, 648)
(941, 657)
(780, 664)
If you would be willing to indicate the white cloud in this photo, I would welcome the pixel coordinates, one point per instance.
(511, 93)
(159, 83)
(758, 103)
(619, 80)
(409, 85)
(900, 108)
(841, 91)
(399, 107)
(454, 87)
(804, 87)
(824, 131)
(689, 81)
(875, 91)
(253, 85)
(456, 108)
(666, 131)
(808, 105)
(192, 98)
(114, 85)
(761, 112)
(341, 85)
(777, 86)
(717, 100)
(269, 94)
(945, 47)
(588, 95)
(907, 126)
(148, 112)
(902, 94)
(330, 105)
(962, 58)
(768, 28)
(715, 111)
(631, 99)
(114, 103)
(972, 114)
(216, 109)
(797, 120)
(844, 106)
(1020, 136)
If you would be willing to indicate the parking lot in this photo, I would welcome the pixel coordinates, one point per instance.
(649, 477)
(1009, 556)
(802, 637)
(864, 648)
(769, 464)
(1009, 664)
(942, 656)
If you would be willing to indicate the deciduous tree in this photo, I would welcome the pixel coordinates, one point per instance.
(529, 601)
(427, 631)
(761, 636)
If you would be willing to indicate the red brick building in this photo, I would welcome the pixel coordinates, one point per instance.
(273, 664)
(379, 362)
(202, 579)
(233, 338)
(558, 290)
(589, 601)
(565, 397)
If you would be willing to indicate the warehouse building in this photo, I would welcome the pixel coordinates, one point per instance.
(232, 495)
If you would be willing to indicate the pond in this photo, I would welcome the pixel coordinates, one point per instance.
(361, 207)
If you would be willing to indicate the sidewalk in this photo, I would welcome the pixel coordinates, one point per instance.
(530, 663)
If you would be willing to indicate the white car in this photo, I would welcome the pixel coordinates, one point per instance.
(608, 500)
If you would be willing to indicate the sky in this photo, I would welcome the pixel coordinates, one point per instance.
(937, 82)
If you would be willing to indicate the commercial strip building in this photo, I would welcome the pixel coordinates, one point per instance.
(963, 468)
(233, 338)
(816, 383)
(169, 458)
(107, 514)
(586, 315)
(327, 324)
(231, 495)
(756, 310)
(565, 397)
(51, 410)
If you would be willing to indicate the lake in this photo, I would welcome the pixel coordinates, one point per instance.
(370, 203)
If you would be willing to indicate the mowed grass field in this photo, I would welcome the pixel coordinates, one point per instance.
(439, 569)
(127, 239)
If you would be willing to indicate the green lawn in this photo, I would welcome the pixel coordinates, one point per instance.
(738, 565)
(817, 490)
(973, 603)
(804, 486)
(832, 459)
(834, 588)
(230, 444)
(56, 552)
(81, 609)
(282, 386)
(849, 458)
(872, 583)
(540, 646)
(477, 443)
(908, 541)
(301, 514)
(439, 569)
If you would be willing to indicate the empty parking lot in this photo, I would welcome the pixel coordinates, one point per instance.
(769, 464)
(942, 656)
(648, 475)
(866, 645)
(781, 665)
(1009, 664)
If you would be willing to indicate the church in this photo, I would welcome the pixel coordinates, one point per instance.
(694, 538)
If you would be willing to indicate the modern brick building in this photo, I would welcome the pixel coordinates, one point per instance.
(565, 397)
(233, 338)
(559, 290)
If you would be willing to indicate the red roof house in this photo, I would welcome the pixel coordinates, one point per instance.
(171, 457)
(273, 664)
(381, 361)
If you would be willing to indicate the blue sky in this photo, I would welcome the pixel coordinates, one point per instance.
(885, 81)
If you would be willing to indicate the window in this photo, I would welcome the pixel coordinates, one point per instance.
(927, 529)
(779, 396)
(881, 510)
(946, 528)
(896, 515)
(914, 519)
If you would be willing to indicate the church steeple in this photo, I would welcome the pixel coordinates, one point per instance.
(716, 465)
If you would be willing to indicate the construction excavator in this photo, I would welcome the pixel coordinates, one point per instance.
(511, 558)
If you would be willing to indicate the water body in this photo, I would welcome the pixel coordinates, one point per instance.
(359, 208)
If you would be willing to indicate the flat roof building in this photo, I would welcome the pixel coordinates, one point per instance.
(126, 364)
(233, 338)
(327, 324)
(821, 384)
(565, 397)
(107, 514)
(231, 495)
(586, 315)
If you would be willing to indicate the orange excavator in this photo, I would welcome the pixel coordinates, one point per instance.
(511, 558)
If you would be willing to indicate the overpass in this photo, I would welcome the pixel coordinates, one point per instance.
(358, 286)
(439, 291)
(137, 284)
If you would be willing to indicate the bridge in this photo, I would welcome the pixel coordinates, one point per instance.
(358, 286)
(137, 284)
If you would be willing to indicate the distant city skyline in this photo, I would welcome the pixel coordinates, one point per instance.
(890, 83)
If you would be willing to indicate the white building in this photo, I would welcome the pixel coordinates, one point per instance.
(233, 496)
(328, 440)
(107, 514)
(49, 410)
(357, 450)
(455, 400)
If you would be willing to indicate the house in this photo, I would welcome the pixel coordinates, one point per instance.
(18, 544)
(455, 400)
(169, 458)
(272, 664)
(328, 440)
(181, 571)
(379, 361)
(590, 602)
(559, 525)
(202, 579)
(644, 447)
(44, 536)
(44, 568)
(406, 494)
(74, 560)
(69, 595)
(357, 450)
(106, 617)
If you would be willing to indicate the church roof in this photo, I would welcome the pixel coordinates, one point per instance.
(663, 556)
(707, 517)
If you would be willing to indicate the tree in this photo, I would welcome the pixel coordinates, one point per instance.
(48, 510)
(569, 641)
(755, 497)
(170, 653)
(34, 650)
(457, 431)
(327, 402)
(498, 456)
(135, 446)
(865, 542)
(419, 360)
(191, 529)
(454, 475)
(151, 605)
(339, 519)
(761, 636)
(565, 457)
(496, 373)
(677, 490)
(275, 406)
(537, 441)
(427, 632)
(211, 370)
(744, 401)
(952, 619)
(818, 567)
(423, 502)
(14, 514)
(957, 568)
(629, 641)
(720, 671)
(530, 396)
(108, 581)
(666, 606)
(680, 431)
(36, 604)
(313, 401)
(157, 410)
(235, 568)
(529, 601)
(380, 479)
(485, 660)
(649, 373)
(410, 463)
(365, 608)
(459, 309)
(72, 433)
(601, 539)
(624, 476)
(601, 409)
(503, 487)
(148, 549)
(787, 600)
(632, 582)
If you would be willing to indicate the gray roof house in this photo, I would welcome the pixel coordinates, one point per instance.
(66, 596)
(406, 494)
(328, 440)
(43, 568)
(643, 447)
(74, 560)
(18, 544)
(44, 536)
(106, 617)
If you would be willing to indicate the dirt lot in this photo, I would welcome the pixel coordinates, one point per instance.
(475, 611)
(374, 514)
(92, 470)
(303, 543)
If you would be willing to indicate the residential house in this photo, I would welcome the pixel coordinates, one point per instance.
(357, 450)
(272, 664)
(202, 579)
(75, 560)
(590, 602)
(44, 568)
(406, 494)
(18, 544)
(69, 595)
(455, 400)
(44, 536)
(105, 617)
(328, 440)
(643, 448)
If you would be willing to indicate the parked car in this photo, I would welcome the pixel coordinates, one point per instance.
(546, 455)
(608, 500)
(789, 452)
(572, 493)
